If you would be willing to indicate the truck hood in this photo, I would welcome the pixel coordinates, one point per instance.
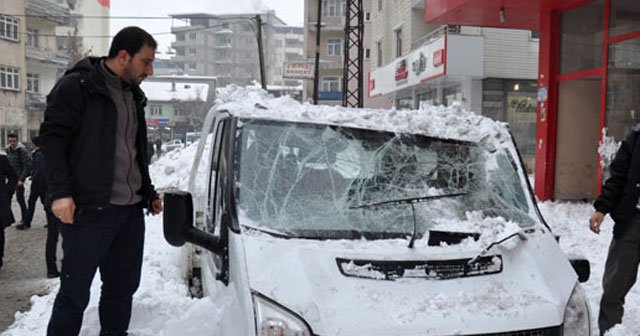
(325, 283)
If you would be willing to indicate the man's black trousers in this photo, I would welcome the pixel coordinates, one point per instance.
(110, 239)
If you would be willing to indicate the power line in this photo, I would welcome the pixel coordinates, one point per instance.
(94, 16)
(191, 30)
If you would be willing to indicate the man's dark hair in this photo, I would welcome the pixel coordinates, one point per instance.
(131, 39)
(12, 135)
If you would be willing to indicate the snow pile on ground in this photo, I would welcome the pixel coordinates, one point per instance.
(162, 305)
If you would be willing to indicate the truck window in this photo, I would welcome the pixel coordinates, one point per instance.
(218, 171)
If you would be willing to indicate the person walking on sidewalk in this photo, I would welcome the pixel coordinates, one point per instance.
(39, 190)
(8, 182)
(620, 197)
(95, 150)
(20, 160)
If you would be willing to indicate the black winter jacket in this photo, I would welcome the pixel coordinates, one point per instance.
(621, 190)
(79, 137)
(20, 160)
(8, 182)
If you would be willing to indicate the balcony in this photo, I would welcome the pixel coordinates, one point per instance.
(46, 10)
(333, 23)
(35, 100)
(47, 56)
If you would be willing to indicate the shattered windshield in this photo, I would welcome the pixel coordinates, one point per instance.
(331, 182)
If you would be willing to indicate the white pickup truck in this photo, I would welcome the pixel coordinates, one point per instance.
(372, 223)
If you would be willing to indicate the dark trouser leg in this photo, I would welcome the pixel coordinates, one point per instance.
(52, 243)
(21, 202)
(84, 244)
(1, 244)
(31, 208)
(619, 276)
(120, 273)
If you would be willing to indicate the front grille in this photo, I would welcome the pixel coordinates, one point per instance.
(421, 269)
(553, 331)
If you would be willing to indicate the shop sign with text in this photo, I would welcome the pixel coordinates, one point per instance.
(421, 65)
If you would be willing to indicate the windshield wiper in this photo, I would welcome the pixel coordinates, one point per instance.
(405, 200)
(271, 232)
(519, 234)
(411, 201)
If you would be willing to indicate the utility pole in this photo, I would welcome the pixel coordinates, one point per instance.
(263, 79)
(352, 76)
(316, 76)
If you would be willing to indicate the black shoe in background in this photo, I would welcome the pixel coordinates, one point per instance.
(53, 275)
(23, 227)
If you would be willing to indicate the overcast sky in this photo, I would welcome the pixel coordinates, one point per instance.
(290, 11)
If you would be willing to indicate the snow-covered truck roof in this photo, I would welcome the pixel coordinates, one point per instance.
(451, 122)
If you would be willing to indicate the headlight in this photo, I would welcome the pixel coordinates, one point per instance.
(577, 321)
(275, 320)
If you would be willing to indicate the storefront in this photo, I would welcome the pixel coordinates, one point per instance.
(589, 79)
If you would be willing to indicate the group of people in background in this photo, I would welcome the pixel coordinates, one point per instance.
(16, 165)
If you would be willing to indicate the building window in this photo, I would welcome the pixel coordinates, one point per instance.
(367, 53)
(33, 83)
(32, 37)
(399, 43)
(224, 40)
(379, 50)
(156, 110)
(8, 28)
(379, 5)
(192, 51)
(331, 84)
(192, 35)
(177, 110)
(9, 78)
(192, 66)
(179, 51)
(179, 36)
(334, 47)
(367, 16)
(333, 8)
(62, 42)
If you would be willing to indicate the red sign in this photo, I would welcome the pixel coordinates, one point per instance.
(105, 3)
(438, 58)
(402, 71)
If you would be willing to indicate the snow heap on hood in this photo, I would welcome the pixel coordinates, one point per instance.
(452, 122)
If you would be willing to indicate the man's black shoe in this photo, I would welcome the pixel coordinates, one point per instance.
(53, 275)
(23, 227)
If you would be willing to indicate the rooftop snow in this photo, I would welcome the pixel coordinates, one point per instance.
(451, 122)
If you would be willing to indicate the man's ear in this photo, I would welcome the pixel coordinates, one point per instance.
(123, 57)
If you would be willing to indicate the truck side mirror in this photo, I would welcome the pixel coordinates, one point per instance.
(582, 268)
(178, 223)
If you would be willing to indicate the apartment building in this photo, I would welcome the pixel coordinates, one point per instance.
(12, 69)
(45, 63)
(30, 63)
(490, 71)
(224, 46)
(89, 21)
(332, 42)
(289, 47)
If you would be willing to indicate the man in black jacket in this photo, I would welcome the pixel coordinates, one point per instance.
(8, 182)
(95, 150)
(620, 197)
(20, 160)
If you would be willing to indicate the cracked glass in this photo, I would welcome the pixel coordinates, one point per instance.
(331, 182)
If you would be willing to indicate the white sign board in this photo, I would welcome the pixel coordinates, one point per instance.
(298, 70)
(421, 65)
